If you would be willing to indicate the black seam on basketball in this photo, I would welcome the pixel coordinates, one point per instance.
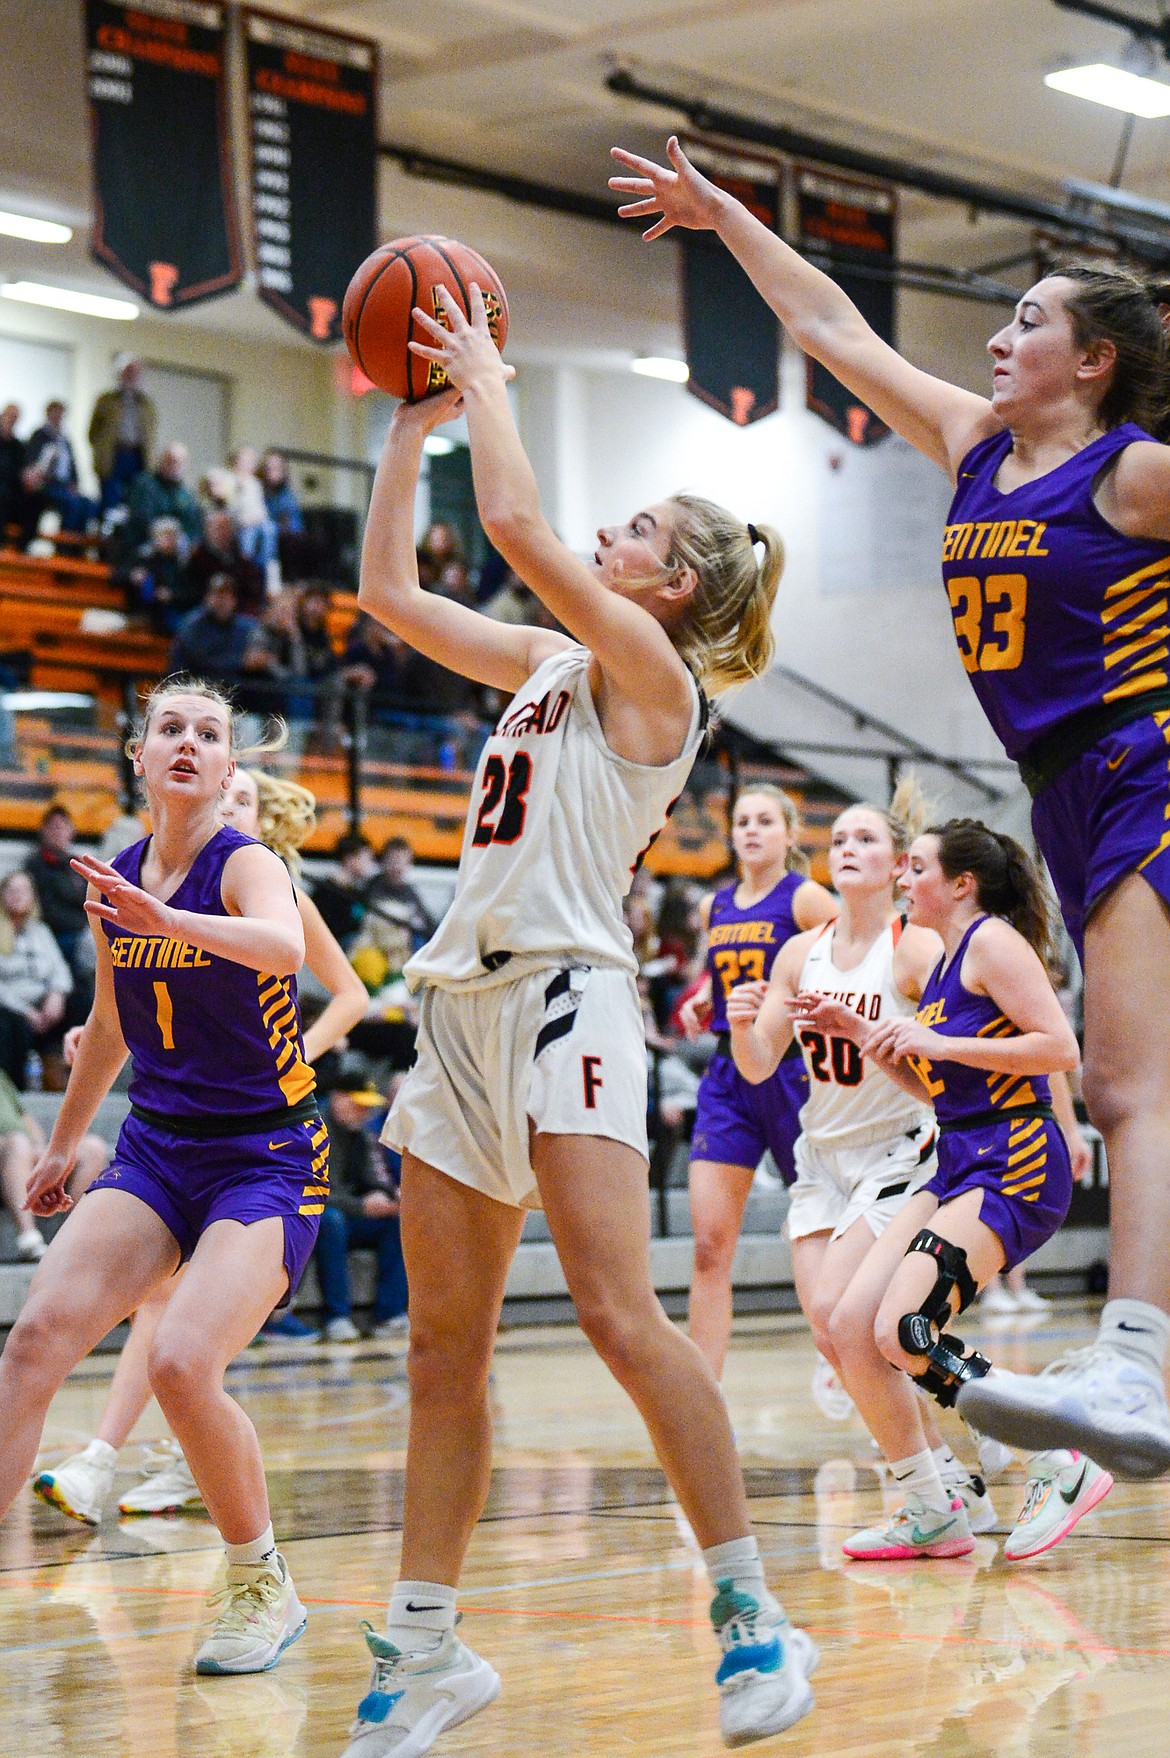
(437, 247)
(393, 257)
(411, 358)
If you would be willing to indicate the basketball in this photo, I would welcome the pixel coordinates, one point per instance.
(376, 316)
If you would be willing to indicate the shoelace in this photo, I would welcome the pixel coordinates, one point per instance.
(161, 1457)
(244, 1603)
(1073, 1360)
(1034, 1495)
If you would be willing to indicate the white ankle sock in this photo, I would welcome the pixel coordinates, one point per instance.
(739, 1562)
(260, 1552)
(419, 1615)
(1136, 1329)
(100, 1453)
(952, 1472)
(919, 1475)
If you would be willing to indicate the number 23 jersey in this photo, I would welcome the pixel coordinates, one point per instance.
(557, 824)
(850, 1101)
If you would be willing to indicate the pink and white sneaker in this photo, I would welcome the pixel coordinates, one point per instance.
(1062, 1488)
(914, 1530)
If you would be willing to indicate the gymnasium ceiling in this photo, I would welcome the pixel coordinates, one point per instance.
(518, 87)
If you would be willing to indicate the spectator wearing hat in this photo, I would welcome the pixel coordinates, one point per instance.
(362, 1211)
(122, 432)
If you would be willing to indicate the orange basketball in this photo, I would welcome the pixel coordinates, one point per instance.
(376, 317)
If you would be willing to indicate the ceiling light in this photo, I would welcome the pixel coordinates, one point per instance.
(437, 445)
(658, 366)
(1115, 87)
(38, 231)
(64, 299)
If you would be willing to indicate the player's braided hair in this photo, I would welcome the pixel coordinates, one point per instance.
(1007, 881)
(1113, 305)
(726, 635)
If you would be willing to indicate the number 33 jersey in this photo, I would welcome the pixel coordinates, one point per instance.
(850, 1101)
(557, 824)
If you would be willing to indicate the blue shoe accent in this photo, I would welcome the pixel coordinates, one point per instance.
(286, 1324)
(229, 1672)
(760, 1657)
(376, 1706)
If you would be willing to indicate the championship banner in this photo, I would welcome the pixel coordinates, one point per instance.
(732, 338)
(164, 210)
(842, 222)
(312, 125)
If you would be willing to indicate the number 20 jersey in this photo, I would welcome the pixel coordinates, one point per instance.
(1055, 611)
(850, 1101)
(557, 824)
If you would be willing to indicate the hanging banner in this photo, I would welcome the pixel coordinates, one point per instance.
(847, 226)
(163, 202)
(732, 338)
(312, 127)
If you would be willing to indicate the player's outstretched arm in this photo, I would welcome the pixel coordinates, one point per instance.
(454, 635)
(940, 419)
(759, 1015)
(633, 651)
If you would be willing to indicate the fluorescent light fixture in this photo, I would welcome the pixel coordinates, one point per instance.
(437, 445)
(64, 299)
(1115, 87)
(658, 366)
(38, 231)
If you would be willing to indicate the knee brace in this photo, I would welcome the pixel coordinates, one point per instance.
(920, 1333)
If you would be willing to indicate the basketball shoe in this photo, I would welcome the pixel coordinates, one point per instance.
(413, 1697)
(977, 1504)
(259, 1617)
(1062, 1488)
(914, 1530)
(167, 1487)
(828, 1394)
(763, 1676)
(80, 1486)
(1095, 1399)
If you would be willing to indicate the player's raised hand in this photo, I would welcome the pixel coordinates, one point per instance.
(126, 905)
(465, 350)
(429, 412)
(679, 193)
(826, 1015)
(744, 1003)
(695, 1014)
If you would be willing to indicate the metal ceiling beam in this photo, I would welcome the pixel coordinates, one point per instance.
(1153, 30)
(1151, 246)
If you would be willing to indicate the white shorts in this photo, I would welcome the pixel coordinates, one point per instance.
(837, 1186)
(558, 1052)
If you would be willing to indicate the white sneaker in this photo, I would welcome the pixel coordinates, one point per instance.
(1062, 1488)
(1027, 1300)
(914, 1530)
(763, 1676)
(167, 1487)
(998, 1300)
(1096, 1400)
(340, 1330)
(972, 1492)
(31, 1245)
(259, 1617)
(994, 1457)
(391, 1330)
(80, 1487)
(828, 1394)
(413, 1697)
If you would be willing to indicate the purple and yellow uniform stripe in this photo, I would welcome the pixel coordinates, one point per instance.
(223, 1124)
(998, 1134)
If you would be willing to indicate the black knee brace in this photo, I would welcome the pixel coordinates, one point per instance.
(920, 1333)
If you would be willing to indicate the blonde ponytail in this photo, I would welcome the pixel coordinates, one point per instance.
(726, 635)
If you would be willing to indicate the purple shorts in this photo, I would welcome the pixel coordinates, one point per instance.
(735, 1121)
(189, 1184)
(1023, 1170)
(1106, 816)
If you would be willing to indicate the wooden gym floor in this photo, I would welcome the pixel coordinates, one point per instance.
(581, 1586)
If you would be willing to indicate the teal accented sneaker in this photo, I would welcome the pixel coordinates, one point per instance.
(259, 1617)
(1062, 1488)
(914, 1531)
(413, 1697)
(763, 1676)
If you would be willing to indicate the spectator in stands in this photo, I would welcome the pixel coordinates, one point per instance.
(60, 892)
(284, 509)
(341, 898)
(161, 493)
(50, 473)
(454, 581)
(217, 641)
(322, 661)
(13, 498)
(392, 893)
(158, 583)
(362, 1210)
(255, 530)
(374, 660)
(514, 603)
(35, 980)
(122, 432)
(442, 544)
(21, 1142)
(218, 552)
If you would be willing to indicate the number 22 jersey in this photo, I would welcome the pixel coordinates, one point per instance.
(557, 824)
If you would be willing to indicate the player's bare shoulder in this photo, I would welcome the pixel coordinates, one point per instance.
(916, 954)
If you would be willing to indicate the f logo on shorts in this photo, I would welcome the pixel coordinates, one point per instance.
(592, 1080)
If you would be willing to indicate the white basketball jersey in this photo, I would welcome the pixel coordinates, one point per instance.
(849, 1097)
(558, 822)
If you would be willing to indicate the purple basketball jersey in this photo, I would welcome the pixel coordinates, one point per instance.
(742, 943)
(950, 1009)
(206, 1035)
(1055, 611)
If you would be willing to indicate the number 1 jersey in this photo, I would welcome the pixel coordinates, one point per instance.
(557, 824)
